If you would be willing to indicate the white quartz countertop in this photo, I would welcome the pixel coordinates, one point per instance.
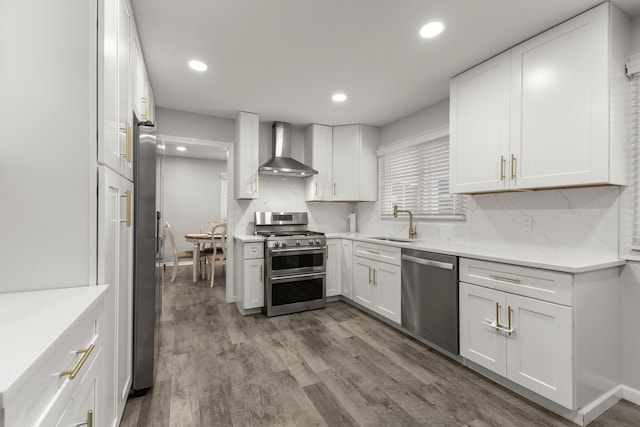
(566, 262)
(248, 238)
(31, 323)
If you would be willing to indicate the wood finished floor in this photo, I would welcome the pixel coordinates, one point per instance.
(331, 367)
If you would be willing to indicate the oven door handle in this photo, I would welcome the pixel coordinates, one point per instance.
(306, 248)
(298, 276)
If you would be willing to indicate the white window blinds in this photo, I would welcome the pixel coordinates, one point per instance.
(417, 178)
(223, 196)
(635, 160)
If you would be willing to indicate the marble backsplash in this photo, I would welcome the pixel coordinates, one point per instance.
(580, 220)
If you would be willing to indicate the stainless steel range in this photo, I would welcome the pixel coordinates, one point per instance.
(295, 260)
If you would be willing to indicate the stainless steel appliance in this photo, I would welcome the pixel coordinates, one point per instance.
(429, 295)
(295, 263)
(147, 244)
(281, 162)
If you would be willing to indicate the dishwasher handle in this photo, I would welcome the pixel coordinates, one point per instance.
(428, 262)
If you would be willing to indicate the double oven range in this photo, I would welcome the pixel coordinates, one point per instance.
(295, 263)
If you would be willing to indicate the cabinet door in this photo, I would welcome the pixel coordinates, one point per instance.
(479, 130)
(124, 103)
(87, 396)
(346, 162)
(363, 290)
(246, 155)
(319, 155)
(560, 97)
(334, 272)
(479, 342)
(136, 77)
(368, 163)
(539, 350)
(346, 267)
(386, 280)
(254, 283)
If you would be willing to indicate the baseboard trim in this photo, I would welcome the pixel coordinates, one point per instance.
(599, 406)
(630, 394)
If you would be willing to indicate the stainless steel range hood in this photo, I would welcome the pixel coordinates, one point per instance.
(281, 162)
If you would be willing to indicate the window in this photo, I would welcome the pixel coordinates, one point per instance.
(223, 196)
(415, 175)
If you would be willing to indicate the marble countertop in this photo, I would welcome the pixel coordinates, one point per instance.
(565, 262)
(31, 323)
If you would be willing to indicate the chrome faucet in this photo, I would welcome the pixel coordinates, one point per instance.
(412, 230)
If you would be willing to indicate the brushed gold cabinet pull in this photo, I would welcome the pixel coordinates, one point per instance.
(128, 196)
(261, 271)
(127, 154)
(256, 185)
(371, 251)
(509, 320)
(513, 167)
(497, 315)
(375, 279)
(334, 188)
(74, 372)
(316, 188)
(146, 107)
(507, 279)
(89, 422)
(327, 252)
(501, 168)
(369, 275)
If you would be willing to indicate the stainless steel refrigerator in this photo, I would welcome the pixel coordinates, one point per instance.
(147, 248)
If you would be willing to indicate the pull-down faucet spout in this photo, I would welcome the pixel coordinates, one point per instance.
(412, 230)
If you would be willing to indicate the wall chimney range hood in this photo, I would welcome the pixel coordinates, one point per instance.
(281, 162)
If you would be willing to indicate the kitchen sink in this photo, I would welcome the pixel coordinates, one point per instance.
(393, 239)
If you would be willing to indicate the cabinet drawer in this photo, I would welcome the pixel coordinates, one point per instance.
(43, 388)
(389, 254)
(253, 250)
(546, 285)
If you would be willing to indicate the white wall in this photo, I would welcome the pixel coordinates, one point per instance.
(630, 292)
(191, 195)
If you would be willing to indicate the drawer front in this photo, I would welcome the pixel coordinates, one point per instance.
(46, 386)
(253, 250)
(388, 254)
(545, 285)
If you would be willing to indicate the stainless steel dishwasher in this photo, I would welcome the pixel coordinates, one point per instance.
(429, 304)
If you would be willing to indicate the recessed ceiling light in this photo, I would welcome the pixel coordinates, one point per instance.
(197, 65)
(431, 29)
(339, 97)
(181, 148)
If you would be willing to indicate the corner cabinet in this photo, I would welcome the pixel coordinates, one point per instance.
(246, 156)
(376, 279)
(536, 328)
(346, 161)
(547, 113)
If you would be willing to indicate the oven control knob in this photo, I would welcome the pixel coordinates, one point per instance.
(313, 242)
(276, 244)
(284, 244)
(297, 242)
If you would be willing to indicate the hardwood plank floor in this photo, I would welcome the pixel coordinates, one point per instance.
(331, 367)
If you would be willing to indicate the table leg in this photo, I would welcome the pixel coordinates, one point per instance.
(196, 260)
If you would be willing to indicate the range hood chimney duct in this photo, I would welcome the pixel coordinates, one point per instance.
(281, 162)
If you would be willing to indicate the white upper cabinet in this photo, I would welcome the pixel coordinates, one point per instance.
(125, 147)
(547, 113)
(355, 164)
(246, 156)
(319, 155)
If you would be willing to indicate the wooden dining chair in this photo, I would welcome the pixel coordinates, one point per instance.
(177, 255)
(206, 227)
(217, 254)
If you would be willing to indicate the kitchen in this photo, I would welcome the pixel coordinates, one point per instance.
(582, 222)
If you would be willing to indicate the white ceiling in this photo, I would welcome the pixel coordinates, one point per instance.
(284, 58)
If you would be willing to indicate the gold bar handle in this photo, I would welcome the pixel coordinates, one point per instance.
(506, 279)
(497, 315)
(513, 167)
(127, 154)
(509, 320)
(256, 184)
(74, 372)
(334, 188)
(375, 278)
(261, 272)
(373, 252)
(369, 275)
(145, 100)
(501, 168)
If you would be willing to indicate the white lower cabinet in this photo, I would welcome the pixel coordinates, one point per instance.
(376, 284)
(553, 333)
(536, 354)
(249, 273)
(334, 267)
(346, 268)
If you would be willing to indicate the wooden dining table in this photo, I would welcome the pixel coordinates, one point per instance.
(197, 239)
